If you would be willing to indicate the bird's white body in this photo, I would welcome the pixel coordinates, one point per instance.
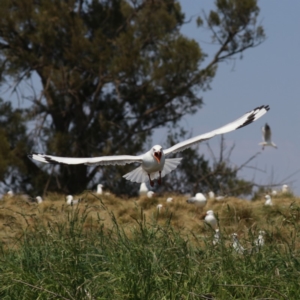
(217, 237)
(198, 200)
(211, 195)
(236, 244)
(39, 199)
(71, 201)
(268, 200)
(267, 137)
(159, 207)
(154, 164)
(150, 194)
(99, 189)
(10, 193)
(274, 193)
(169, 200)
(210, 218)
(285, 188)
(260, 242)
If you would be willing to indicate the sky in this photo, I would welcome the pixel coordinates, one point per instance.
(267, 74)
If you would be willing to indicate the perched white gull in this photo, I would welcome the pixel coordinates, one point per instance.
(274, 193)
(71, 201)
(198, 200)
(150, 194)
(154, 163)
(159, 207)
(267, 137)
(169, 200)
(217, 237)
(285, 188)
(99, 189)
(143, 189)
(211, 195)
(236, 244)
(260, 240)
(39, 199)
(268, 200)
(210, 218)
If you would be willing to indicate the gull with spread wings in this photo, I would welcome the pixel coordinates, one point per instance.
(154, 163)
(267, 137)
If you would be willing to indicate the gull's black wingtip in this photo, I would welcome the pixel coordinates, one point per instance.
(253, 115)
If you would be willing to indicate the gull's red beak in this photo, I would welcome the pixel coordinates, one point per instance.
(157, 156)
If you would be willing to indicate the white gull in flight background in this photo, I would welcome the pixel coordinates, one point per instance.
(267, 137)
(154, 163)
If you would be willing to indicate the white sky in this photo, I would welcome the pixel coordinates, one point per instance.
(267, 74)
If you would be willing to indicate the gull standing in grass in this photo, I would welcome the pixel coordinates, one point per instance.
(211, 195)
(39, 199)
(210, 218)
(268, 200)
(150, 194)
(236, 244)
(71, 201)
(198, 200)
(260, 242)
(159, 207)
(267, 137)
(143, 189)
(154, 164)
(285, 188)
(169, 200)
(217, 237)
(99, 189)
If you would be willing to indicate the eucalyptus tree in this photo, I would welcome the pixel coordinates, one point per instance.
(111, 71)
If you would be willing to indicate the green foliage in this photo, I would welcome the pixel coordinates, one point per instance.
(66, 261)
(111, 71)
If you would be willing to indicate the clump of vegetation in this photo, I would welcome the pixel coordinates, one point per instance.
(88, 252)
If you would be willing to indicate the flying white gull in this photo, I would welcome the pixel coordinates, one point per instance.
(267, 137)
(154, 163)
(198, 200)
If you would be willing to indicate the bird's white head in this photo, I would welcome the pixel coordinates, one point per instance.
(267, 197)
(157, 152)
(210, 213)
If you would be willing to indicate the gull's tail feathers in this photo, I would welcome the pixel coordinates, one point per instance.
(137, 175)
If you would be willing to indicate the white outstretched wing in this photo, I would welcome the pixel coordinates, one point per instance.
(245, 120)
(101, 160)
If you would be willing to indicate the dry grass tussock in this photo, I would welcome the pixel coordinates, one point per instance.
(280, 221)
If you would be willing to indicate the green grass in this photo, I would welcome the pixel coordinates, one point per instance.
(92, 251)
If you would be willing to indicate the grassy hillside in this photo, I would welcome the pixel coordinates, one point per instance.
(112, 248)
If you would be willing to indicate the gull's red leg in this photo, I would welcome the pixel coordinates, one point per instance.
(151, 181)
(159, 179)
